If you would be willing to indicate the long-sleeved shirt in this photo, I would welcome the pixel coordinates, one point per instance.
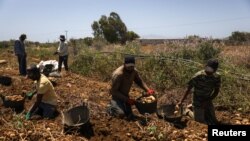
(63, 49)
(19, 48)
(122, 82)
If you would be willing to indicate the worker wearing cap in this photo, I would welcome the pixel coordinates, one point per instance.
(206, 84)
(63, 53)
(122, 80)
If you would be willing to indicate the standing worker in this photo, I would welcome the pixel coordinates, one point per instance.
(19, 50)
(63, 54)
(206, 84)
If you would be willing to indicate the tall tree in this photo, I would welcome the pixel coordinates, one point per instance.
(113, 29)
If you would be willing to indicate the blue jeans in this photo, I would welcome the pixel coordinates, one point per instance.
(119, 109)
(22, 64)
(45, 110)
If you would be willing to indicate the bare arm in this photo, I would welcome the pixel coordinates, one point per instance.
(38, 101)
(141, 83)
(186, 94)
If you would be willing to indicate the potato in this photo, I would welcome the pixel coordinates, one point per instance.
(152, 98)
(176, 112)
(14, 98)
(148, 99)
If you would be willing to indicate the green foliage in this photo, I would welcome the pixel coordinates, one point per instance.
(99, 43)
(83, 64)
(193, 37)
(88, 41)
(132, 35)
(113, 29)
(239, 38)
(7, 44)
(165, 73)
(152, 129)
(188, 54)
(132, 48)
(94, 63)
(41, 54)
(234, 93)
(168, 71)
(207, 51)
(45, 45)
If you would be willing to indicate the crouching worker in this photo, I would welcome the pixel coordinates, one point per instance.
(206, 84)
(46, 99)
(122, 80)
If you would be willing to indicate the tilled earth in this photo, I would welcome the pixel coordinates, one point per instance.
(73, 90)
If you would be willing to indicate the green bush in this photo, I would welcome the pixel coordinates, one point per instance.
(238, 38)
(99, 43)
(206, 51)
(167, 71)
(88, 41)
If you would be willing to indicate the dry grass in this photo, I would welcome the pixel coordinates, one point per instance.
(238, 55)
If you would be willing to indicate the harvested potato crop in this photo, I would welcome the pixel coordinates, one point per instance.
(148, 99)
(14, 98)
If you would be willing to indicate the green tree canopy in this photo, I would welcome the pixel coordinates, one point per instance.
(112, 29)
(239, 38)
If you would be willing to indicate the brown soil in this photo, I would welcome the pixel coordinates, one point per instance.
(73, 89)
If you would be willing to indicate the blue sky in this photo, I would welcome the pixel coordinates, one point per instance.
(45, 20)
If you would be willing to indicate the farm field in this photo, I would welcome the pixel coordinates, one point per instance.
(73, 89)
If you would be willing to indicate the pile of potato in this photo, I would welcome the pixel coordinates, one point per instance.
(148, 99)
(14, 98)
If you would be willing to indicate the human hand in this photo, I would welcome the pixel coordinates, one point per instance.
(29, 95)
(178, 105)
(131, 101)
(150, 92)
(27, 116)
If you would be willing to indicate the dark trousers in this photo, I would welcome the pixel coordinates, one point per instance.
(45, 110)
(22, 64)
(119, 109)
(64, 60)
(205, 114)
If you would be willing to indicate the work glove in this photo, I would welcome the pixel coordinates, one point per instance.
(150, 92)
(131, 101)
(27, 116)
(29, 95)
